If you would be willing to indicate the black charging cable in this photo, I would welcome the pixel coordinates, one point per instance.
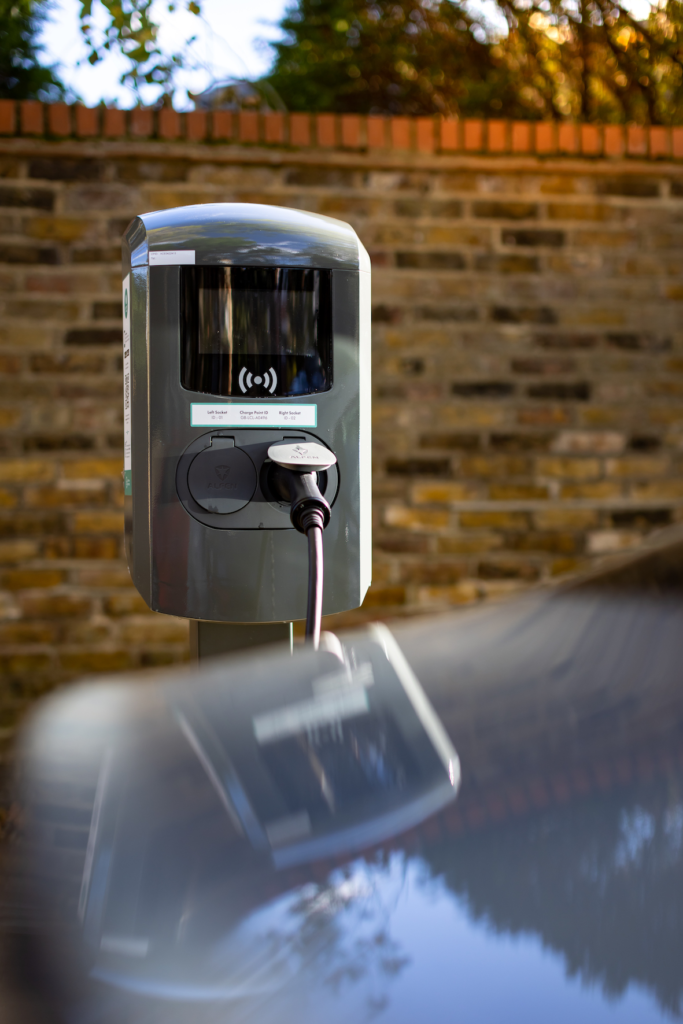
(294, 478)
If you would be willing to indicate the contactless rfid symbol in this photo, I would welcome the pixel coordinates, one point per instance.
(268, 380)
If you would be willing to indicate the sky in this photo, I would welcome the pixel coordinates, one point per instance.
(232, 37)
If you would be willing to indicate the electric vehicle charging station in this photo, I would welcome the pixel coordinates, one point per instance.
(246, 398)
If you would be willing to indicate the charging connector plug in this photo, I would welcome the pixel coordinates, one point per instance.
(300, 489)
(294, 478)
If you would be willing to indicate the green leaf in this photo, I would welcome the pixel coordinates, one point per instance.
(132, 30)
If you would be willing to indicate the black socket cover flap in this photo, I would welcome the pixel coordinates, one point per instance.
(222, 479)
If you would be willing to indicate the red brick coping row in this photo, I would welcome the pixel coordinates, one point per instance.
(342, 131)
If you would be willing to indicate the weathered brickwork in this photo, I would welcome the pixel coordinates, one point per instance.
(528, 370)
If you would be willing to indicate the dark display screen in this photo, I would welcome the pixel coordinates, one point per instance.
(255, 331)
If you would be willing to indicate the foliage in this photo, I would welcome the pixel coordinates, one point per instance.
(131, 30)
(594, 61)
(383, 56)
(575, 59)
(22, 77)
(584, 59)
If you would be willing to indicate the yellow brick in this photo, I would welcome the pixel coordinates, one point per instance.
(92, 547)
(90, 632)
(544, 416)
(457, 236)
(8, 499)
(59, 229)
(675, 365)
(602, 542)
(494, 520)
(601, 489)
(674, 292)
(382, 572)
(492, 465)
(57, 281)
(656, 490)
(502, 588)
(166, 199)
(417, 520)
(84, 469)
(556, 543)
(667, 388)
(17, 551)
(428, 340)
(665, 414)
(48, 604)
(518, 492)
(27, 633)
(579, 211)
(457, 181)
(391, 234)
(601, 416)
(593, 316)
(34, 309)
(471, 544)
(95, 661)
(109, 577)
(386, 414)
(442, 494)
(58, 497)
(563, 566)
(19, 470)
(127, 603)
(29, 338)
(466, 415)
(149, 629)
(25, 579)
(384, 597)
(98, 522)
(559, 184)
(465, 592)
(9, 417)
(565, 519)
(605, 239)
(26, 666)
(334, 205)
(589, 442)
(576, 469)
(637, 465)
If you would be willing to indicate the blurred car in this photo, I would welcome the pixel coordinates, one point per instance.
(477, 817)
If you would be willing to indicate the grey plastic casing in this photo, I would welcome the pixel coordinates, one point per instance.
(250, 566)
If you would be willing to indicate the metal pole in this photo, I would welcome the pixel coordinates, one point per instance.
(211, 639)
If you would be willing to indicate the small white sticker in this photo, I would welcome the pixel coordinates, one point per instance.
(127, 465)
(253, 415)
(172, 258)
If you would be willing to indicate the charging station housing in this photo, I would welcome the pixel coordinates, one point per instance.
(244, 325)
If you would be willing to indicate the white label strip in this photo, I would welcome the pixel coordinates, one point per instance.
(126, 379)
(253, 415)
(310, 714)
(172, 258)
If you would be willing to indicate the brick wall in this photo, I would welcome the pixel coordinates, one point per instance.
(528, 351)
